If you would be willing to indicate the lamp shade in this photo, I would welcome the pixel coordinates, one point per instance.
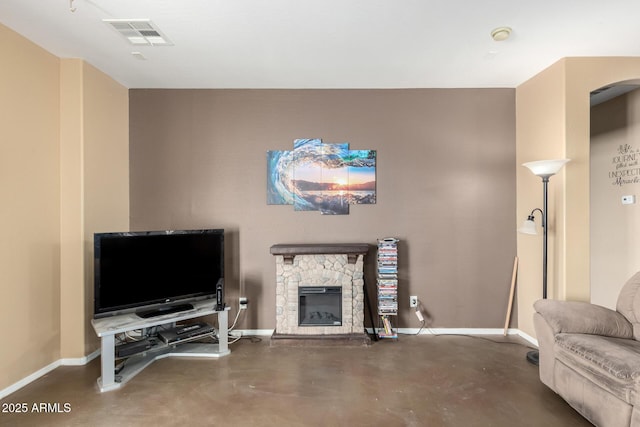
(528, 227)
(546, 167)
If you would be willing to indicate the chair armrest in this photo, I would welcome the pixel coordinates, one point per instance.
(583, 318)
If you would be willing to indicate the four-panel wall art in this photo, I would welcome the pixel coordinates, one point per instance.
(315, 176)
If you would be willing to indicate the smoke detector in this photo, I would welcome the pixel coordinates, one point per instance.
(139, 32)
(501, 33)
(139, 55)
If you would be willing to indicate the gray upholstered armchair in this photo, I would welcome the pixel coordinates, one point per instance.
(590, 355)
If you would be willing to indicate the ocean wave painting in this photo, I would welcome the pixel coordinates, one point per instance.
(316, 176)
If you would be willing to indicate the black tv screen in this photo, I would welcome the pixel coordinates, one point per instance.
(149, 271)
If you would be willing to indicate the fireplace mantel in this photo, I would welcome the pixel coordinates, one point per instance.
(289, 251)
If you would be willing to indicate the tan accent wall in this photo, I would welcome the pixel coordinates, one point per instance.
(95, 188)
(553, 116)
(106, 172)
(540, 127)
(445, 187)
(29, 208)
(71, 208)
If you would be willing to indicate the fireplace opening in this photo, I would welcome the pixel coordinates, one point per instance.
(320, 306)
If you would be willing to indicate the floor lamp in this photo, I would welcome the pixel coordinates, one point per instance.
(544, 169)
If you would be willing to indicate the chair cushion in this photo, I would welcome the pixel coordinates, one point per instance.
(629, 303)
(611, 363)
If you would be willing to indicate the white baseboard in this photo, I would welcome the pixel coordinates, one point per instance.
(413, 331)
(527, 337)
(457, 331)
(251, 332)
(464, 331)
(78, 361)
(23, 382)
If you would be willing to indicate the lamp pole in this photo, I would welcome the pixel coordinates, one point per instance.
(545, 237)
(533, 356)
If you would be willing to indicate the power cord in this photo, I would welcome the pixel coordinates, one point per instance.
(481, 338)
(235, 338)
(233, 325)
(432, 332)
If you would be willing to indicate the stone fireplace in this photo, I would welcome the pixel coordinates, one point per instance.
(320, 291)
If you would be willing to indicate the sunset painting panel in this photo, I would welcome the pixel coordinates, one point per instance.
(321, 177)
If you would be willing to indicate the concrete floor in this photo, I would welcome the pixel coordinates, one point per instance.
(414, 381)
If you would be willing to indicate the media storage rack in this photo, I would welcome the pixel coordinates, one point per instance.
(387, 286)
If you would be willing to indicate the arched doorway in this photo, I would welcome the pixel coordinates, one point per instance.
(614, 189)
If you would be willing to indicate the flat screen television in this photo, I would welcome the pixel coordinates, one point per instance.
(157, 272)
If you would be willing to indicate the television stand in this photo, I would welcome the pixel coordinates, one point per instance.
(167, 309)
(108, 327)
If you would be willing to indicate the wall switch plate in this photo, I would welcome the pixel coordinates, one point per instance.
(628, 200)
(413, 301)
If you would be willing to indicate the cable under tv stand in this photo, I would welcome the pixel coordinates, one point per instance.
(108, 327)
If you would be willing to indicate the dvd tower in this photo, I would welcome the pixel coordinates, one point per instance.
(387, 286)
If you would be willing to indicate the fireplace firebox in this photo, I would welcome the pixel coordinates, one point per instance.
(320, 306)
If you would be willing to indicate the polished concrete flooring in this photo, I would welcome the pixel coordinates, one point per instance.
(414, 381)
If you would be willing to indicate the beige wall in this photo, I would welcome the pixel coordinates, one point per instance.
(615, 228)
(71, 208)
(63, 174)
(29, 208)
(445, 179)
(540, 121)
(106, 172)
(552, 114)
(95, 188)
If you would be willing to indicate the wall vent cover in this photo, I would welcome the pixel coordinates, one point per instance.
(139, 31)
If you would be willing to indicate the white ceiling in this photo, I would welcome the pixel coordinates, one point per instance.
(330, 43)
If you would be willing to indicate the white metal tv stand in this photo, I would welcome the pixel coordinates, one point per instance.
(108, 327)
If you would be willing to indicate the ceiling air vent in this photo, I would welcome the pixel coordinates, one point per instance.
(139, 31)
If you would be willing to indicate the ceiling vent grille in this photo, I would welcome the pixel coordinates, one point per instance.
(139, 32)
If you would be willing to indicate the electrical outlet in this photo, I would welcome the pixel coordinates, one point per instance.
(243, 303)
(413, 301)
